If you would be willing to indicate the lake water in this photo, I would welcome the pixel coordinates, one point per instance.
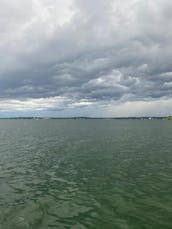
(79, 174)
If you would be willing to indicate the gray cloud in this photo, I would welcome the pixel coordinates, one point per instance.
(88, 51)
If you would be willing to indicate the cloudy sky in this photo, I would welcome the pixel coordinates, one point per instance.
(85, 58)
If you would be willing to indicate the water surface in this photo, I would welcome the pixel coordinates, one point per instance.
(79, 174)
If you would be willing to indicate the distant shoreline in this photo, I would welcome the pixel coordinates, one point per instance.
(114, 118)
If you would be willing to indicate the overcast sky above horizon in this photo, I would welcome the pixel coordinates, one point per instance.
(85, 58)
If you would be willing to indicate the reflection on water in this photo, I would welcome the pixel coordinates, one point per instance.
(80, 174)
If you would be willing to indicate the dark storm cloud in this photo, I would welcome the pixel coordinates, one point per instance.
(92, 51)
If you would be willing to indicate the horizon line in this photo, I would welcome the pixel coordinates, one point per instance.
(85, 117)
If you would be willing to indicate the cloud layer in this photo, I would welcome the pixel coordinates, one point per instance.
(74, 53)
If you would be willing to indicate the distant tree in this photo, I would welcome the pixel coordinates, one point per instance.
(169, 118)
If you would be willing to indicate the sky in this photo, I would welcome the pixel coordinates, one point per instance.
(98, 58)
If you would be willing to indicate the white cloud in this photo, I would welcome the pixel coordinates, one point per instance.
(32, 104)
(161, 107)
(40, 104)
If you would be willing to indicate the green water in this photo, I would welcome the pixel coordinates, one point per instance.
(79, 174)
